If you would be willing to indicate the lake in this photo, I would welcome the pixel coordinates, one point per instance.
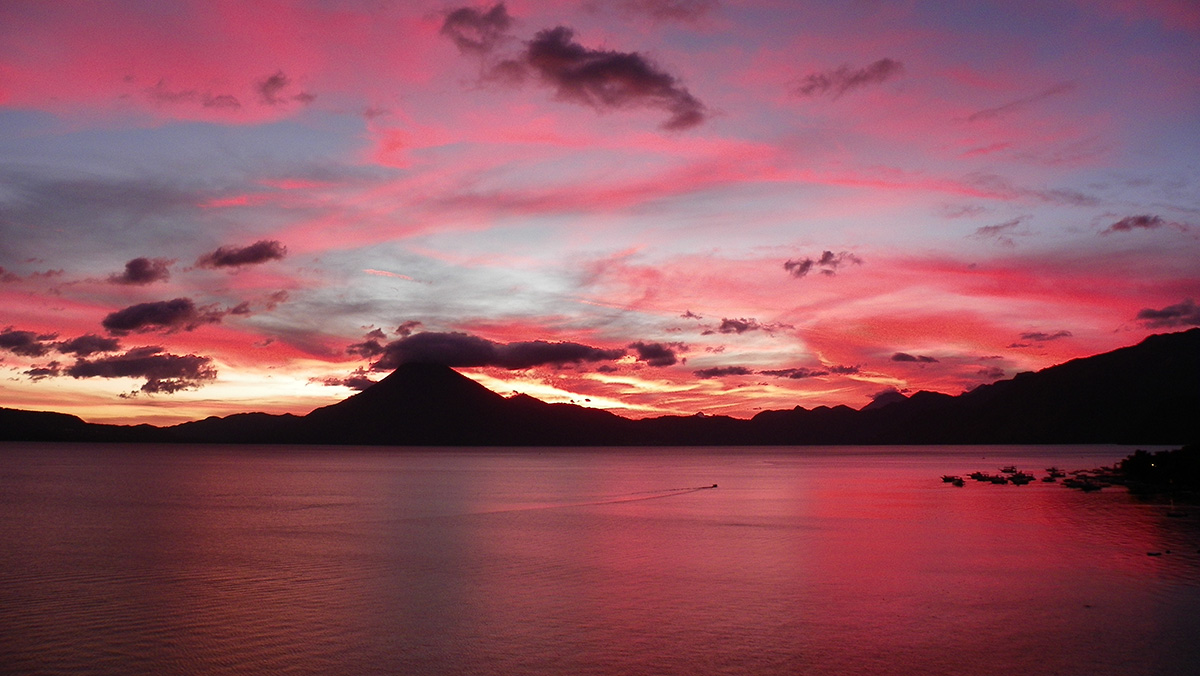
(270, 560)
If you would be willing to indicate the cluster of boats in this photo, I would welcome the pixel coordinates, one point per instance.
(1012, 475)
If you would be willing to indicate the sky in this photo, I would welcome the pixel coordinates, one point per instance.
(648, 206)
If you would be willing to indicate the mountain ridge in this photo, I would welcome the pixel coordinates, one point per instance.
(1148, 393)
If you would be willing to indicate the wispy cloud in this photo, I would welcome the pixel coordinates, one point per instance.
(827, 264)
(919, 358)
(844, 79)
(207, 99)
(1142, 222)
(1021, 103)
(1001, 233)
(686, 11)
(477, 31)
(272, 90)
(739, 325)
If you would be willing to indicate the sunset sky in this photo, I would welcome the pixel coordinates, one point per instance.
(650, 206)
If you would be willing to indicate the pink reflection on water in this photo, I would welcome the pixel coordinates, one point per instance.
(357, 561)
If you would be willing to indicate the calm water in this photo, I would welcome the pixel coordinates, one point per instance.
(197, 560)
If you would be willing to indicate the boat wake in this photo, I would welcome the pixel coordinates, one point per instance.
(613, 500)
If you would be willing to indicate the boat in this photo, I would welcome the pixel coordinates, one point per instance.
(958, 481)
(1009, 469)
(950, 478)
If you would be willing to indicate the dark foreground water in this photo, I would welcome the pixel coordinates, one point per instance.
(233, 560)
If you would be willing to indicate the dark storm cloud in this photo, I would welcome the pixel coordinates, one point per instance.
(87, 345)
(477, 31)
(922, 359)
(1172, 316)
(26, 343)
(992, 373)
(164, 373)
(844, 370)
(795, 373)
(1017, 104)
(656, 354)
(722, 371)
(232, 256)
(180, 314)
(827, 264)
(609, 80)
(143, 271)
(465, 350)
(844, 78)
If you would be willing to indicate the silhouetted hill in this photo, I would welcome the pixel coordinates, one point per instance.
(17, 425)
(1145, 394)
(239, 428)
(429, 404)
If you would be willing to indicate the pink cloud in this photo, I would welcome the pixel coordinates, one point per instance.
(210, 61)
